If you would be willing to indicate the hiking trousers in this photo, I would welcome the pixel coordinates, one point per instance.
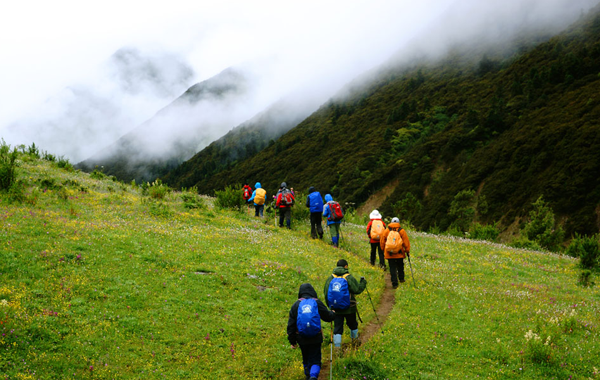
(311, 359)
(258, 210)
(376, 248)
(285, 213)
(315, 225)
(396, 270)
(338, 322)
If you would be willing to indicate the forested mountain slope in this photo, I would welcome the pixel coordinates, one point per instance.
(511, 128)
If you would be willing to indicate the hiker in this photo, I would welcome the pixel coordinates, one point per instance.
(304, 328)
(375, 229)
(285, 201)
(396, 247)
(334, 214)
(247, 192)
(340, 290)
(314, 202)
(259, 196)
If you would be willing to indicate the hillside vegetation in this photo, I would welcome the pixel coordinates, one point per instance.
(104, 280)
(506, 129)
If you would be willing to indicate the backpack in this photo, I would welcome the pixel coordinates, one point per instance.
(287, 198)
(335, 211)
(338, 294)
(376, 229)
(308, 321)
(247, 193)
(260, 197)
(393, 244)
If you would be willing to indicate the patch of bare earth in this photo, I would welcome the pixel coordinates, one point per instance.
(377, 199)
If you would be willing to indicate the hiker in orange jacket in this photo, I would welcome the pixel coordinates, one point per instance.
(396, 246)
(375, 229)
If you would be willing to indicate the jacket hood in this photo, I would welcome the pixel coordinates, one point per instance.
(339, 271)
(257, 185)
(307, 291)
(328, 198)
(311, 190)
(375, 215)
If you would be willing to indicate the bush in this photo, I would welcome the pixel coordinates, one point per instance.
(525, 243)
(586, 248)
(96, 174)
(33, 151)
(541, 226)
(481, 232)
(64, 163)
(230, 198)
(191, 200)
(585, 278)
(157, 190)
(8, 165)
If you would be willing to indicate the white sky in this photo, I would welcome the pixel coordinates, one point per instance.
(46, 46)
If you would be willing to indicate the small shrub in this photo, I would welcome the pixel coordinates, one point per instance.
(191, 200)
(33, 151)
(48, 157)
(541, 226)
(157, 190)
(585, 278)
(539, 350)
(230, 198)
(524, 243)
(96, 174)
(64, 163)
(481, 232)
(16, 192)
(8, 165)
(586, 248)
(159, 209)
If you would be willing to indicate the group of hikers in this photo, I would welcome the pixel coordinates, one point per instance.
(389, 243)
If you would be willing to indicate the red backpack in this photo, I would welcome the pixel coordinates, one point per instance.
(287, 198)
(335, 211)
(247, 193)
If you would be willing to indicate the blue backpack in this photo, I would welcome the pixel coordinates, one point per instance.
(309, 320)
(338, 294)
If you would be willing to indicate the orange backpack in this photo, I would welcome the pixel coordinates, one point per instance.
(260, 197)
(393, 244)
(376, 229)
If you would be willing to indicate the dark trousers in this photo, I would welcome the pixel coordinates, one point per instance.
(376, 248)
(258, 210)
(396, 270)
(285, 213)
(311, 356)
(338, 322)
(315, 225)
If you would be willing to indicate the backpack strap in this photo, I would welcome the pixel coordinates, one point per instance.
(343, 276)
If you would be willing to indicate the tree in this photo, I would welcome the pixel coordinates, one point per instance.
(541, 226)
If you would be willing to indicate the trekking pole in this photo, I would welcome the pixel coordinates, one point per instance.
(376, 316)
(411, 271)
(331, 354)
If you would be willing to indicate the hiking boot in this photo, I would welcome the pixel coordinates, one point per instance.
(402, 280)
(395, 286)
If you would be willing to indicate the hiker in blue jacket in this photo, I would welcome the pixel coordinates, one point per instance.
(309, 341)
(314, 202)
(334, 225)
(259, 196)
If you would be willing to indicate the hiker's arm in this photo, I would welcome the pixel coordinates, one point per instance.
(383, 238)
(369, 229)
(355, 286)
(308, 202)
(405, 241)
(291, 327)
(326, 314)
(326, 288)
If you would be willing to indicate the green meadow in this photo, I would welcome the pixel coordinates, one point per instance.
(105, 280)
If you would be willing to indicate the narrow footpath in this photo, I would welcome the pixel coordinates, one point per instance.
(384, 308)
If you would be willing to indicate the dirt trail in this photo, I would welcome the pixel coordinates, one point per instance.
(386, 304)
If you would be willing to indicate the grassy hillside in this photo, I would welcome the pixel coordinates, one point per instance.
(511, 128)
(103, 280)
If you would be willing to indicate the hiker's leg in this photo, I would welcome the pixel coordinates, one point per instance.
(381, 257)
(373, 252)
(393, 271)
(401, 269)
(288, 217)
(256, 210)
(338, 329)
(261, 209)
(313, 225)
(313, 352)
(281, 217)
(334, 229)
(318, 219)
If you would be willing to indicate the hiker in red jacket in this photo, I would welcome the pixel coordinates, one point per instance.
(285, 201)
(375, 229)
(246, 192)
